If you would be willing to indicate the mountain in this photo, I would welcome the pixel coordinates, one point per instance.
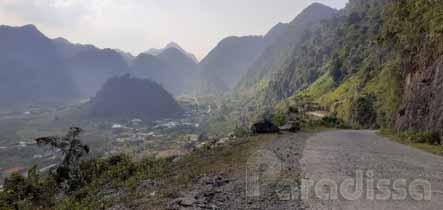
(283, 39)
(128, 57)
(125, 98)
(174, 45)
(151, 67)
(176, 58)
(92, 68)
(171, 68)
(32, 72)
(223, 67)
(185, 68)
(89, 66)
(67, 49)
(368, 67)
(276, 33)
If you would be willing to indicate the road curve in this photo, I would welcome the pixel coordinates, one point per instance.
(330, 158)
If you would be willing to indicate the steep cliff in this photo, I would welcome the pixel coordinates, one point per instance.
(285, 38)
(382, 57)
(422, 106)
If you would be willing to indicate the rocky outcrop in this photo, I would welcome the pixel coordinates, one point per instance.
(208, 194)
(291, 126)
(264, 126)
(423, 99)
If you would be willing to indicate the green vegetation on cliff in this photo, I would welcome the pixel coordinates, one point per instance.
(375, 57)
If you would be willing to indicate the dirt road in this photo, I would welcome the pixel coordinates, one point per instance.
(308, 171)
(393, 176)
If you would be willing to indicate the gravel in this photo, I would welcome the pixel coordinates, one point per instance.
(340, 155)
(228, 191)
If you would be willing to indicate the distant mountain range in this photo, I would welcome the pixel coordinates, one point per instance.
(363, 57)
(250, 57)
(171, 68)
(241, 62)
(155, 52)
(31, 69)
(37, 70)
(224, 66)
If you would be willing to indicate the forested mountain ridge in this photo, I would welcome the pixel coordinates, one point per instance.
(226, 66)
(278, 51)
(377, 64)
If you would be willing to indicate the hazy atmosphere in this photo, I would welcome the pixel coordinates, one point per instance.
(137, 25)
(221, 104)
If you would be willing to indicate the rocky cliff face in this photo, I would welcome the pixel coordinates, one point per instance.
(422, 106)
(385, 56)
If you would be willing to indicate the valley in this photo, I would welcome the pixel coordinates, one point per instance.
(106, 138)
(315, 100)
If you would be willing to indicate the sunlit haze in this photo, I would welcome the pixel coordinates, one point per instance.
(137, 25)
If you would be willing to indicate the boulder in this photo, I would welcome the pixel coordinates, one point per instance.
(291, 126)
(264, 126)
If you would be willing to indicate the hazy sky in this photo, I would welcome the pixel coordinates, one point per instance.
(137, 25)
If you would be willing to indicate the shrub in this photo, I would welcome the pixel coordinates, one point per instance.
(24, 192)
(121, 168)
(363, 112)
(241, 131)
(68, 204)
(278, 119)
(431, 137)
(333, 121)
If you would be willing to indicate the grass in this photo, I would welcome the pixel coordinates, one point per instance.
(402, 139)
(173, 176)
(383, 84)
(323, 85)
(317, 129)
(343, 96)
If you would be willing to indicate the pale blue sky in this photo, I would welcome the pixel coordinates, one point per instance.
(137, 25)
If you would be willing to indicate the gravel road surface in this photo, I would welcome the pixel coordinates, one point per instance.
(332, 159)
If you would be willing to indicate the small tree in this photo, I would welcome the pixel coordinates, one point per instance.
(67, 174)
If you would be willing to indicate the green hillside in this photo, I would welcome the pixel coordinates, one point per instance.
(377, 57)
